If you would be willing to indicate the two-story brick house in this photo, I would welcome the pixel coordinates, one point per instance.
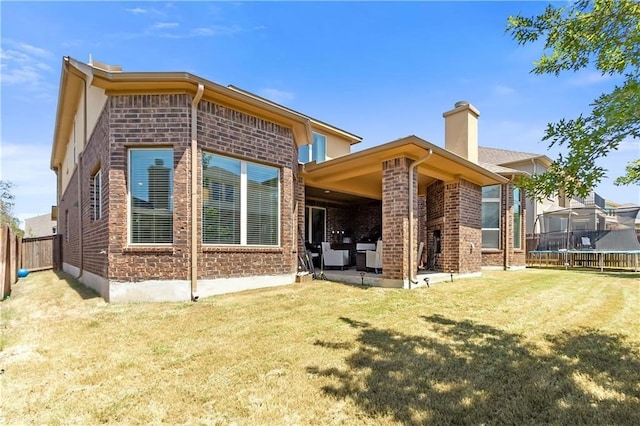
(172, 187)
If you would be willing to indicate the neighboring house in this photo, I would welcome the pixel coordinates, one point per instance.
(515, 163)
(556, 216)
(40, 226)
(172, 187)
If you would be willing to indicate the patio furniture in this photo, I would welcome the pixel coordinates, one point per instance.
(361, 255)
(331, 257)
(374, 258)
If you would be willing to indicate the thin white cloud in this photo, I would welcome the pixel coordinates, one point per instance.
(630, 145)
(137, 11)
(587, 78)
(503, 90)
(33, 50)
(28, 67)
(276, 95)
(165, 25)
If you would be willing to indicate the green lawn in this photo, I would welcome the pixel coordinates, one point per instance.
(534, 346)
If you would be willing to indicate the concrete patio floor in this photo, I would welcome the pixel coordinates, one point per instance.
(371, 279)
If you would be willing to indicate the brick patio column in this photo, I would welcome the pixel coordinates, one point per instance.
(395, 218)
(462, 238)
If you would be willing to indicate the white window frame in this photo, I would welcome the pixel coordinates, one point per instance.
(244, 205)
(311, 149)
(96, 201)
(499, 228)
(129, 197)
(517, 242)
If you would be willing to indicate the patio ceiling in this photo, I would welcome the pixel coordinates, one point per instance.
(360, 174)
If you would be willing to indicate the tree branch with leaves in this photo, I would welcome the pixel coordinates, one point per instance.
(6, 207)
(584, 33)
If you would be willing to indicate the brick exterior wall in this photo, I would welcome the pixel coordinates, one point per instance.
(228, 132)
(146, 121)
(299, 210)
(69, 222)
(95, 238)
(434, 223)
(462, 237)
(395, 212)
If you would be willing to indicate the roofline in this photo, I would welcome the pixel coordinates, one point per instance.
(354, 138)
(184, 81)
(411, 139)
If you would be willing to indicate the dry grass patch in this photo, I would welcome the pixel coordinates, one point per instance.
(533, 346)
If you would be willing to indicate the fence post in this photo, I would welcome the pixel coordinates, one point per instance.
(5, 262)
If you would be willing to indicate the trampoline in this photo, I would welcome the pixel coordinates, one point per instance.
(588, 237)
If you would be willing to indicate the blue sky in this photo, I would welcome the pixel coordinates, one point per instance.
(381, 70)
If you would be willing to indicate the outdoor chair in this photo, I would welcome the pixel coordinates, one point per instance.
(374, 258)
(331, 257)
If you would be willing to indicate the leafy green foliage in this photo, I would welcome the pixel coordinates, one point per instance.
(632, 176)
(604, 33)
(6, 207)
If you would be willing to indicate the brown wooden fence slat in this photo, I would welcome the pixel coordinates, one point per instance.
(10, 257)
(37, 253)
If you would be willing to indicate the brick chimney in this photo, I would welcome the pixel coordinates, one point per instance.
(461, 130)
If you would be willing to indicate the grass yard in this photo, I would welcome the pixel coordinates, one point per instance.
(525, 347)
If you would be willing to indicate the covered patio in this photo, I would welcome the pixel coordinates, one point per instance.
(404, 192)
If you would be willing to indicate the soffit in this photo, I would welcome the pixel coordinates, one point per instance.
(360, 174)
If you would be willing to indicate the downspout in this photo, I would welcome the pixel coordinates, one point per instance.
(86, 82)
(411, 169)
(194, 192)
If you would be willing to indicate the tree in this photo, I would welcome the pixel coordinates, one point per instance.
(604, 33)
(6, 208)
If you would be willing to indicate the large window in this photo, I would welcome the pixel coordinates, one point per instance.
(241, 202)
(151, 196)
(491, 217)
(517, 219)
(317, 151)
(96, 195)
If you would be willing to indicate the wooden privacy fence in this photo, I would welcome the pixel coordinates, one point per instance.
(10, 258)
(38, 253)
(32, 254)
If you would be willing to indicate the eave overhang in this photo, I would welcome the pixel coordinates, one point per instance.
(129, 83)
(360, 173)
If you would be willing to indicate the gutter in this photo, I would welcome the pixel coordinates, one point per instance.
(87, 79)
(194, 192)
(411, 169)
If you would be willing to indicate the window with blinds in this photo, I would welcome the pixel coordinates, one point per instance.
(151, 196)
(241, 202)
(491, 217)
(96, 195)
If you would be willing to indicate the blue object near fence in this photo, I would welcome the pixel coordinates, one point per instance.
(22, 273)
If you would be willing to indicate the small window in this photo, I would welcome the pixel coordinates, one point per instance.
(319, 148)
(317, 151)
(66, 226)
(517, 219)
(491, 217)
(151, 196)
(96, 195)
